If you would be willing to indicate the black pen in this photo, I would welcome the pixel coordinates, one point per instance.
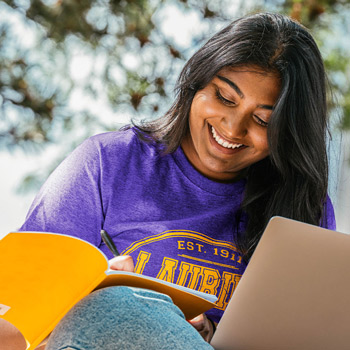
(109, 242)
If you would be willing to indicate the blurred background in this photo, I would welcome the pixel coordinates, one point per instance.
(70, 69)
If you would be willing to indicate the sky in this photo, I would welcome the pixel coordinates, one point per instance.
(13, 206)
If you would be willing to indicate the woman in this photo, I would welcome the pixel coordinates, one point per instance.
(187, 197)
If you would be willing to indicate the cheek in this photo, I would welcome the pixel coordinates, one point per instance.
(203, 107)
(261, 143)
(196, 120)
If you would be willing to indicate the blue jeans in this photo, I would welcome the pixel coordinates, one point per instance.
(125, 318)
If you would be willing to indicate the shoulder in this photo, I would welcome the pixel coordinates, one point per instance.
(117, 152)
(113, 139)
(112, 145)
(118, 143)
(105, 151)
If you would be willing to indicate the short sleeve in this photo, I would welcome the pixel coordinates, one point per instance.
(70, 200)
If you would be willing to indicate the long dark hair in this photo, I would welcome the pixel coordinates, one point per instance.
(292, 181)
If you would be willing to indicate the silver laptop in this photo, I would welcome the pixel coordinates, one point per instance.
(294, 294)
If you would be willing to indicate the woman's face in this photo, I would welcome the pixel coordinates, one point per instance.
(228, 122)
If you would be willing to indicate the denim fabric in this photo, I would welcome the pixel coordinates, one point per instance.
(125, 318)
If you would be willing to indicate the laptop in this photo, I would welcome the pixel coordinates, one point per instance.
(294, 294)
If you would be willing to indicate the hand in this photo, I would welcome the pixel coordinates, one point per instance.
(10, 337)
(204, 326)
(122, 263)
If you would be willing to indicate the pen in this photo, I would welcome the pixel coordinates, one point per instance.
(109, 242)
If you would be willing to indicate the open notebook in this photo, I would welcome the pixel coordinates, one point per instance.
(43, 275)
(294, 294)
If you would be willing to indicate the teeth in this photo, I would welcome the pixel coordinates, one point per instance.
(223, 142)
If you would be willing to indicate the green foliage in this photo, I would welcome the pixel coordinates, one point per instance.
(132, 60)
(328, 20)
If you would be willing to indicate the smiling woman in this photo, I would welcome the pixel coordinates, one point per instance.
(187, 197)
(228, 122)
(268, 77)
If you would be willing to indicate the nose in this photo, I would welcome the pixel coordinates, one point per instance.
(235, 124)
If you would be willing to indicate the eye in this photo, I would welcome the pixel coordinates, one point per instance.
(223, 99)
(260, 121)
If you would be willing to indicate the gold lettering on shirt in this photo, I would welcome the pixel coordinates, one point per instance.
(189, 275)
(142, 260)
(167, 270)
(180, 245)
(207, 265)
(229, 283)
(210, 281)
(184, 271)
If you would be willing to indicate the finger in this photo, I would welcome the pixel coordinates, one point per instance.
(198, 322)
(122, 263)
(204, 326)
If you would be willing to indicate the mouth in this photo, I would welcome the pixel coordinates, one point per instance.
(222, 144)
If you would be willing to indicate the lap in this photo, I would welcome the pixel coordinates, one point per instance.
(125, 318)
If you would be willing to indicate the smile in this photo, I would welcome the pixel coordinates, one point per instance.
(223, 142)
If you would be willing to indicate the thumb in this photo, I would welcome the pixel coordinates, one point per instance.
(122, 263)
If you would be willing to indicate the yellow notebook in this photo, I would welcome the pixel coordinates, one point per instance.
(43, 275)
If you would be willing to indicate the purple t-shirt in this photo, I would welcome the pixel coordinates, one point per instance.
(176, 224)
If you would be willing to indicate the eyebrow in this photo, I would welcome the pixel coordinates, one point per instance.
(239, 91)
